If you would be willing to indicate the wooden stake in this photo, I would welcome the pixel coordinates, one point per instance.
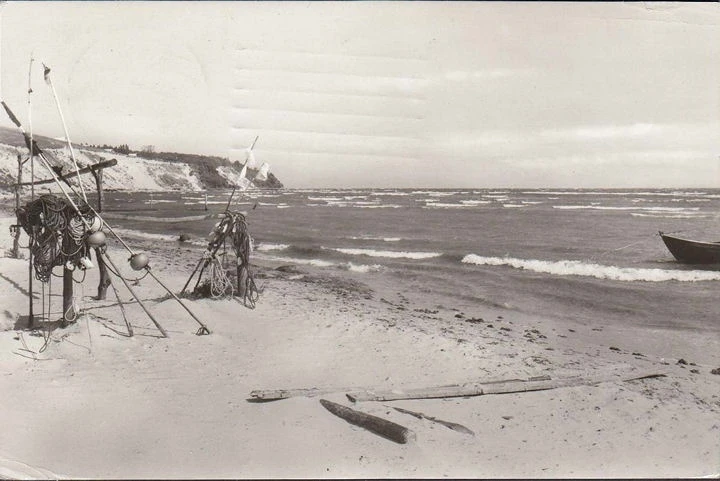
(122, 309)
(136, 297)
(203, 328)
(69, 313)
(381, 427)
(16, 240)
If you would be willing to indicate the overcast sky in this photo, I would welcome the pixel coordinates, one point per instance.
(379, 94)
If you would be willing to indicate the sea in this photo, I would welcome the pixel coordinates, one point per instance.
(587, 255)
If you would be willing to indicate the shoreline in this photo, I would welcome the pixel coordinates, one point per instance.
(147, 407)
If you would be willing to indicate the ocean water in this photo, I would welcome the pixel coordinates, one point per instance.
(593, 256)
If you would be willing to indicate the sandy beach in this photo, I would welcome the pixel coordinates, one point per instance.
(90, 402)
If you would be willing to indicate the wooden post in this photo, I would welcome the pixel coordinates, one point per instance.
(69, 313)
(104, 281)
(31, 315)
(98, 174)
(16, 240)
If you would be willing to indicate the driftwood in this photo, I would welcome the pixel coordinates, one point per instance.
(263, 395)
(277, 394)
(382, 427)
(450, 425)
(479, 389)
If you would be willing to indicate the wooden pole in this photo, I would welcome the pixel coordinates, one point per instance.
(31, 240)
(104, 281)
(382, 427)
(16, 240)
(203, 328)
(69, 313)
(122, 309)
(132, 292)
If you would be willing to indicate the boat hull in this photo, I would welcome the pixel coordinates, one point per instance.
(692, 252)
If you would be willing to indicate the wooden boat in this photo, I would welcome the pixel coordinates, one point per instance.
(691, 251)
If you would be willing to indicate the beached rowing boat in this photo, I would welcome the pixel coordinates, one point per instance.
(691, 251)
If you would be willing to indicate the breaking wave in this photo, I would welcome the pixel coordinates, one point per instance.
(362, 268)
(390, 254)
(264, 247)
(598, 271)
(295, 260)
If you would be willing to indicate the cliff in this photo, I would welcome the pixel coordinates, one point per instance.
(150, 171)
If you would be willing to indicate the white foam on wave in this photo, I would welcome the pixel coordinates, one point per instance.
(390, 254)
(271, 247)
(512, 206)
(362, 268)
(441, 194)
(687, 215)
(598, 271)
(295, 260)
(384, 239)
(607, 207)
(442, 205)
(475, 202)
(377, 206)
(325, 199)
(398, 194)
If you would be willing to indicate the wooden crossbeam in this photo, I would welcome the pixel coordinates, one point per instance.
(89, 169)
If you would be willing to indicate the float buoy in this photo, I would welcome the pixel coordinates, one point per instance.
(96, 239)
(139, 261)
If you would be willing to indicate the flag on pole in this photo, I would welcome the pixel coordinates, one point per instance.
(263, 172)
(250, 159)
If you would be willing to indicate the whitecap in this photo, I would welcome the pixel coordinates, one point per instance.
(598, 271)
(390, 254)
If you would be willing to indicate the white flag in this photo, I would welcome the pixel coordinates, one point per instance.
(263, 173)
(244, 183)
(250, 162)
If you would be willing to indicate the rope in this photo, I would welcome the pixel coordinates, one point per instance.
(233, 228)
(61, 233)
(220, 283)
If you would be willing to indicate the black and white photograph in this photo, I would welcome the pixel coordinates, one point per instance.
(359, 240)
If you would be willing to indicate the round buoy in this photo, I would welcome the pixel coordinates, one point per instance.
(96, 224)
(139, 261)
(96, 239)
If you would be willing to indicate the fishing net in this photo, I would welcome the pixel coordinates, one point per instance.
(57, 233)
(231, 230)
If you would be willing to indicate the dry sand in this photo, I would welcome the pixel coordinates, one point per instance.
(96, 403)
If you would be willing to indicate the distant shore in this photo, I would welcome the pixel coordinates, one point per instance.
(151, 407)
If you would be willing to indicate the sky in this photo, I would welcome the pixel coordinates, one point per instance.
(385, 94)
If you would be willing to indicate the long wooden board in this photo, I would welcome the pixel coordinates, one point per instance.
(100, 165)
(478, 389)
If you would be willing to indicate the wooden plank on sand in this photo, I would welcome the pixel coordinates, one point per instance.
(260, 395)
(382, 427)
(479, 389)
(277, 394)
